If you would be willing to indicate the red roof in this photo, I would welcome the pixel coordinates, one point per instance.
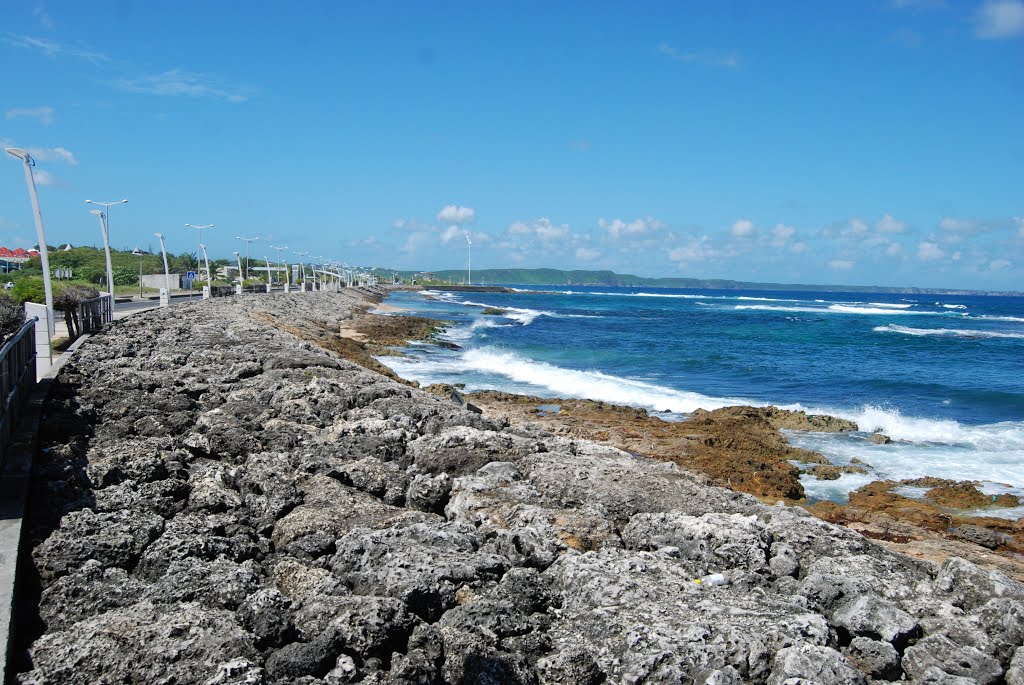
(4, 252)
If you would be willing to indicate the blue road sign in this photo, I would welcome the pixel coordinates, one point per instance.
(191, 275)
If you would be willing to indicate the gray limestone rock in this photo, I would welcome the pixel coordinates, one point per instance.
(111, 538)
(880, 660)
(1015, 672)
(813, 664)
(969, 586)
(940, 652)
(876, 618)
(143, 642)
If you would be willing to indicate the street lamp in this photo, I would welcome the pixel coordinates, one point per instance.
(44, 257)
(241, 280)
(105, 230)
(200, 229)
(209, 277)
(279, 251)
(302, 267)
(138, 253)
(248, 242)
(469, 260)
(167, 271)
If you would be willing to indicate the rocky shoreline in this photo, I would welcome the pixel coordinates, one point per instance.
(220, 500)
(742, 448)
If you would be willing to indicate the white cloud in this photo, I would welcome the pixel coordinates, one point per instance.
(43, 114)
(586, 254)
(799, 248)
(53, 154)
(179, 82)
(1020, 226)
(889, 224)
(43, 178)
(696, 250)
(542, 228)
(927, 251)
(1000, 19)
(43, 17)
(730, 60)
(450, 234)
(999, 264)
(781, 235)
(858, 227)
(617, 228)
(954, 225)
(52, 48)
(894, 250)
(840, 264)
(744, 228)
(455, 214)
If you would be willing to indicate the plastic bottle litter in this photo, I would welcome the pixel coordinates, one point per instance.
(712, 579)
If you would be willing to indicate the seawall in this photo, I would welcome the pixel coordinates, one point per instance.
(218, 500)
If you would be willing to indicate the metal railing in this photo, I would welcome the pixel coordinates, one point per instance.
(93, 313)
(17, 378)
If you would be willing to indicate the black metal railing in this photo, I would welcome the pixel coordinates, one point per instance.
(17, 378)
(93, 313)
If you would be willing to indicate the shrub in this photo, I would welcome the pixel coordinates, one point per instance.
(12, 315)
(28, 289)
(70, 295)
(125, 276)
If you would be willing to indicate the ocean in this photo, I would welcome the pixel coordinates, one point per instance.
(943, 376)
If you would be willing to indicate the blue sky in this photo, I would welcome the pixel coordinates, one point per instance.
(874, 142)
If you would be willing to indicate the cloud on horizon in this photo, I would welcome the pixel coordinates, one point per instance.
(54, 49)
(43, 114)
(456, 214)
(730, 60)
(174, 82)
(998, 19)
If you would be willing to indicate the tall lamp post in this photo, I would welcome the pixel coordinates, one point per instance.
(167, 271)
(44, 256)
(200, 229)
(469, 260)
(248, 242)
(209, 277)
(105, 227)
(241, 279)
(105, 230)
(302, 267)
(287, 279)
(138, 253)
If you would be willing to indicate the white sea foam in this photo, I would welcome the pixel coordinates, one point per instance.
(773, 308)
(548, 379)
(989, 317)
(854, 309)
(836, 309)
(946, 332)
(889, 305)
(952, 306)
(946, 449)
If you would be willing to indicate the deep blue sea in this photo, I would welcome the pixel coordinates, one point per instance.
(943, 376)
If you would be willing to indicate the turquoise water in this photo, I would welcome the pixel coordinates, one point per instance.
(941, 375)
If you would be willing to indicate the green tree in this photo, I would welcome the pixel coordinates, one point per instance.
(124, 275)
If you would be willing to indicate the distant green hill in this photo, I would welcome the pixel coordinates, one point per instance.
(543, 277)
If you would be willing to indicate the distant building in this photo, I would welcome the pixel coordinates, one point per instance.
(18, 254)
